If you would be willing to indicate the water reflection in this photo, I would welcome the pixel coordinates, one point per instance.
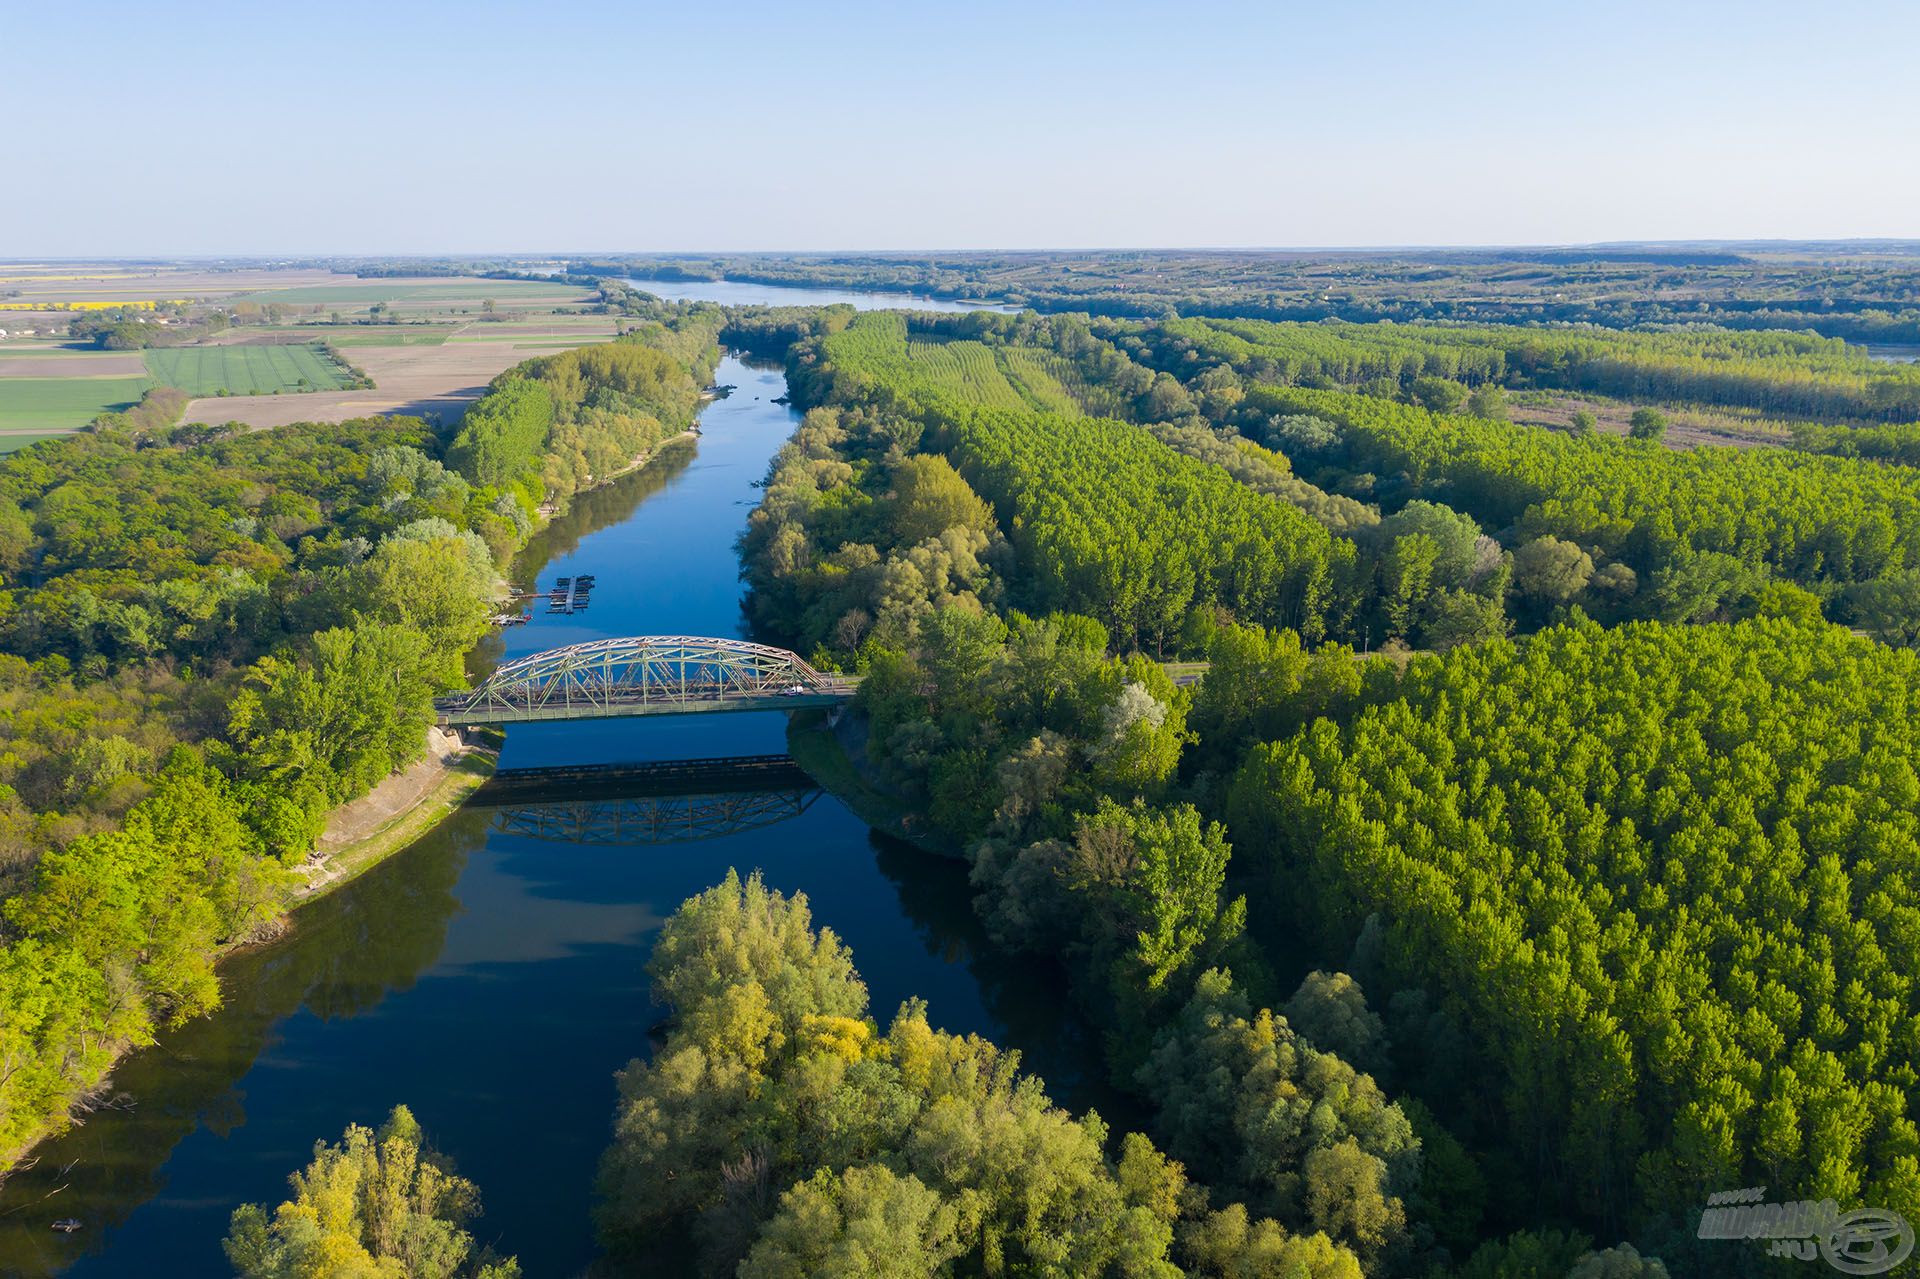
(346, 954)
(668, 802)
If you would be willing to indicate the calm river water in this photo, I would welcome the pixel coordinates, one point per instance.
(495, 981)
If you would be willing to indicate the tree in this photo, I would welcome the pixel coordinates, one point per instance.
(1583, 423)
(1142, 730)
(375, 1204)
(1437, 394)
(1407, 573)
(1347, 1197)
(1889, 609)
(1227, 1245)
(1488, 400)
(1330, 1011)
(865, 1223)
(1462, 617)
(1258, 1113)
(931, 497)
(899, 1155)
(1549, 571)
(1647, 424)
(1620, 1262)
(1526, 1255)
(1175, 894)
(1461, 555)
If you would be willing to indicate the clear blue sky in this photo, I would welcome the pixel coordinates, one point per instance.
(403, 126)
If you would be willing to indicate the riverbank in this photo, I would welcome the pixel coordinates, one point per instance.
(365, 832)
(832, 750)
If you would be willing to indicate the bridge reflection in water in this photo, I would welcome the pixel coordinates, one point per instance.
(669, 802)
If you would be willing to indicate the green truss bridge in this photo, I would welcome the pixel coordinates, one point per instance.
(644, 675)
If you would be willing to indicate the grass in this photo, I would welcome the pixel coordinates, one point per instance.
(64, 403)
(246, 370)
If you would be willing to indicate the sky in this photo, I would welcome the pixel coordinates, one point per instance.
(210, 127)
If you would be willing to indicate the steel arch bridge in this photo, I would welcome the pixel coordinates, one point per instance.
(644, 675)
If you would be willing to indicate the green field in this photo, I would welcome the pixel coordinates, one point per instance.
(14, 443)
(63, 403)
(246, 370)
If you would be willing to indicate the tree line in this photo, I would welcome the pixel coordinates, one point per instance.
(1786, 373)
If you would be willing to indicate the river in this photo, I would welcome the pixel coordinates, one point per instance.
(493, 979)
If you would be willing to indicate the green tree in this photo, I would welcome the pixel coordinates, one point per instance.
(1176, 893)
(1228, 1245)
(1549, 571)
(1462, 617)
(1437, 394)
(1488, 400)
(865, 1223)
(1647, 424)
(1620, 1262)
(1889, 608)
(931, 497)
(1331, 1011)
(375, 1204)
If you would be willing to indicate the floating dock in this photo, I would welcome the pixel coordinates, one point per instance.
(570, 594)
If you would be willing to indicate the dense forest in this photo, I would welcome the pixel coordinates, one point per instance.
(1665, 879)
(1526, 896)
(214, 637)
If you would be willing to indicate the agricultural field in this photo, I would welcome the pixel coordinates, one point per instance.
(35, 295)
(247, 370)
(435, 380)
(84, 285)
(53, 404)
(431, 349)
(407, 335)
(13, 442)
(351, 294)
(61, 362)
